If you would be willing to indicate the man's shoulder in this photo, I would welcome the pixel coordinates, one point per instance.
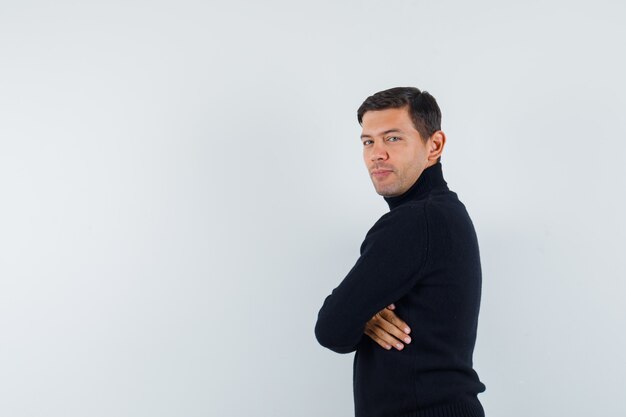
(407, 212)
(401, 226)
(441, 203)
(408, 217)
(414, 214)
(437, 200)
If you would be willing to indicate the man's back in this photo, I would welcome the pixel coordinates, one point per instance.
(443, 306)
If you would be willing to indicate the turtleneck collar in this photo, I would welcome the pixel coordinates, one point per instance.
(430, 178)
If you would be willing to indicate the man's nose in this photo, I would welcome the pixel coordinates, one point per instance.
(379, 153)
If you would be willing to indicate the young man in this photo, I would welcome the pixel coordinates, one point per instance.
(419, 265)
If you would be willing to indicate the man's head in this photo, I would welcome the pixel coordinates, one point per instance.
(401, 137)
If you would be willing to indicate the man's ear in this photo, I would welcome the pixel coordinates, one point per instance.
(436, 143)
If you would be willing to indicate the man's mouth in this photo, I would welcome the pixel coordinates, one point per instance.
(381, 173)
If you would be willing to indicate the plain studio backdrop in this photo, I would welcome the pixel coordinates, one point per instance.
(182, 186)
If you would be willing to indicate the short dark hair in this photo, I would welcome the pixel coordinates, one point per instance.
(422, 107)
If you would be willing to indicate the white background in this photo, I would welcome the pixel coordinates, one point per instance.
(182, 185)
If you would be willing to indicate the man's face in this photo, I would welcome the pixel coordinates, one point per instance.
(394, 153)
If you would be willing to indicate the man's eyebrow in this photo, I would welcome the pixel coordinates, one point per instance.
(384, 133)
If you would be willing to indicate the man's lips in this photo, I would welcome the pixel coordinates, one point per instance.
(380, 173)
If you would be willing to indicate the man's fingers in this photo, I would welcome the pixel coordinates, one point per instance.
(392, 330)
(387, 329)
(391, 306)
(377, 339)
(383, 338)
(392, 318)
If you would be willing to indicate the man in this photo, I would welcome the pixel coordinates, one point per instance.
(420, 263)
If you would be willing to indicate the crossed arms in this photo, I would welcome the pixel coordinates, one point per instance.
(392, 257)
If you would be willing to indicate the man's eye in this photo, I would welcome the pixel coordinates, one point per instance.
(367, 142)
(393, 139)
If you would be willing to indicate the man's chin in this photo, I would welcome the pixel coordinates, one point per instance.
(386, 191)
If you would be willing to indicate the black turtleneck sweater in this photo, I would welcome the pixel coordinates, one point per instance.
(423, 256)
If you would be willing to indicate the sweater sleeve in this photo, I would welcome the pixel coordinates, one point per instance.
(392, 256)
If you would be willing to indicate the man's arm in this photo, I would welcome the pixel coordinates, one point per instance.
(392, 257)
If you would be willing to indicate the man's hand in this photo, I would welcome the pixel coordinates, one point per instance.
(386, 329)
